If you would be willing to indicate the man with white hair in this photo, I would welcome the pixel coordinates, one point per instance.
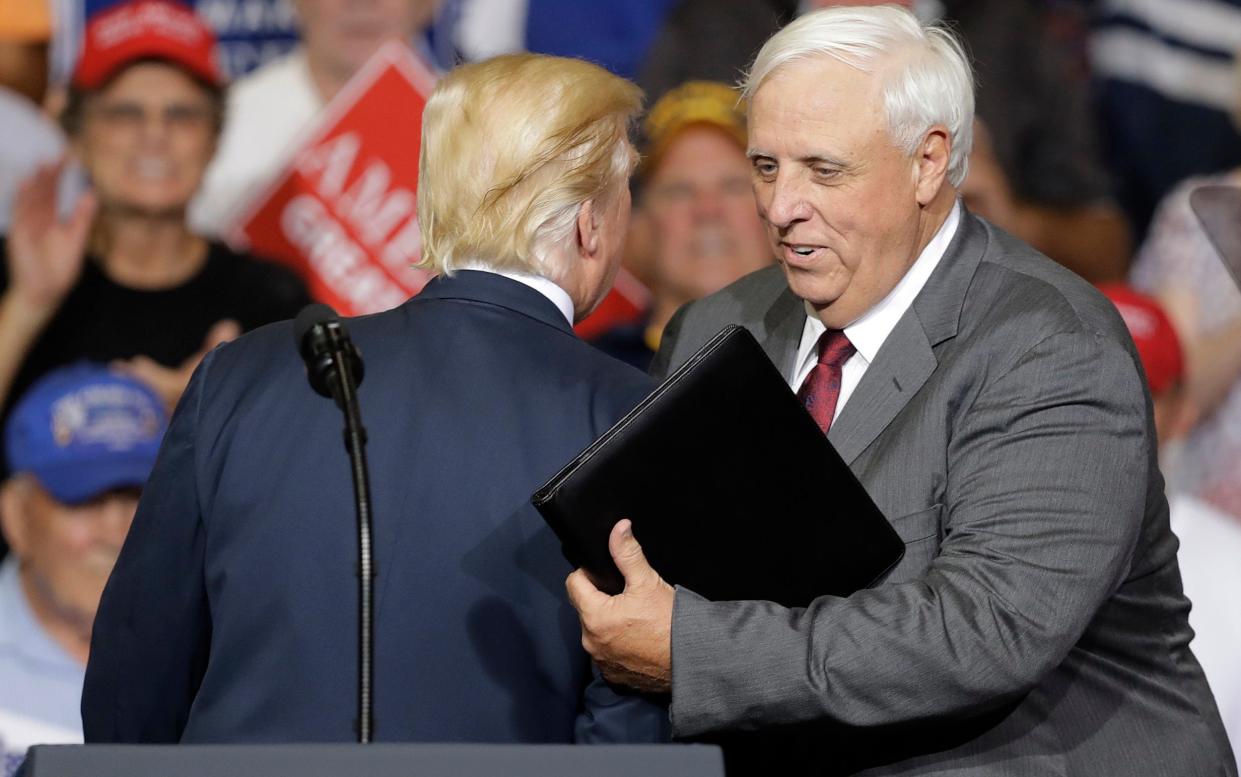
(990, 402)
(232, 613)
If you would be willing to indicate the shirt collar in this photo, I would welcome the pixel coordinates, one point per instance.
(554, 293)
(868, 333)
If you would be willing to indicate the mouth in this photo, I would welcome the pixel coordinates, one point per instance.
(151, 169)
(712, 243)
(800, 253)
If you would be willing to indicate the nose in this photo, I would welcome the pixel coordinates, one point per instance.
(708, 203)
(786, 203)
(156, 126)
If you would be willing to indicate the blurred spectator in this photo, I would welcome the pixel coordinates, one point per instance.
(29, 136)
(696, 203)
(1179, 265)
(1210, 552)
(122, 278)
(25, 30)
(1042, 168)
(269, 108)
(1166, 91)
(81, 443)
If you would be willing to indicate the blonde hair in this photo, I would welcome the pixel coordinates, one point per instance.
(511, 148)
(930, 83)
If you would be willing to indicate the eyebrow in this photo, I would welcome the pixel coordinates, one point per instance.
(809, 160)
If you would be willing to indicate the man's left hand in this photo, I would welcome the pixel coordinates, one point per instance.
(629, 635)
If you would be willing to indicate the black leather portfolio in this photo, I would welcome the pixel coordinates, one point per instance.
(733, 490)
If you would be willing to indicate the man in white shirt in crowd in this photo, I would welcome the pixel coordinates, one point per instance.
(271, 107)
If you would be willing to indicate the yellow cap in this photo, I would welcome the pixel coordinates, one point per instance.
(692, 103)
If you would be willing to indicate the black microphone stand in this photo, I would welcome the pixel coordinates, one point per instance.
(355, 444)
(334, 368)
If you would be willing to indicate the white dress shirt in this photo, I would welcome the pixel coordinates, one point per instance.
(869, 332)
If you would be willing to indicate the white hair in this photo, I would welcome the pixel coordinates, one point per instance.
(929, 80)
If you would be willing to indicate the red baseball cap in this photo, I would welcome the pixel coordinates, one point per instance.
(146, 29)
(1159, 348)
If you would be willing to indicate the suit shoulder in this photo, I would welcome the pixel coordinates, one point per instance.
(621, 386)
(269, 353)
(264, 355)
(746, 298)
(1022, 294)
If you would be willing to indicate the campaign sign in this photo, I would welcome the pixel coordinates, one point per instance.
(344, 212)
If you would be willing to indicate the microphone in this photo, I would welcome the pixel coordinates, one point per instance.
(322, 341)
(334, 369)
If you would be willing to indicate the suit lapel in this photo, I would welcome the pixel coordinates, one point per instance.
(907, 359)
(900, 368)
(782, 329)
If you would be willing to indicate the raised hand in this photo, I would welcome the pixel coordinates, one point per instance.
(46, 254)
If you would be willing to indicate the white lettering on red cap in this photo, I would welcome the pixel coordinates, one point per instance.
(147, 18)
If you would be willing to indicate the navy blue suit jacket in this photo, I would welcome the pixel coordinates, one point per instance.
(231, 615)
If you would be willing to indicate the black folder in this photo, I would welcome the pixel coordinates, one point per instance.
(733, 490)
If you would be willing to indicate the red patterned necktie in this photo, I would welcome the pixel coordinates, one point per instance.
(821, 389)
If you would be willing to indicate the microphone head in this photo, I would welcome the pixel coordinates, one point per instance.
(307, 319)
(321, 339)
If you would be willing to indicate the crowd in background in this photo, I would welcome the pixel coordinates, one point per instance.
(119, 174)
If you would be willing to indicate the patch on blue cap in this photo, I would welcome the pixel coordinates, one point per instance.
(84, 430)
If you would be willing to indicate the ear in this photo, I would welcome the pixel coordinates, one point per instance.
(587, 229)
(931, 163)
(14, 503)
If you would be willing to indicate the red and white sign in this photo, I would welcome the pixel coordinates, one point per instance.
(344, 213)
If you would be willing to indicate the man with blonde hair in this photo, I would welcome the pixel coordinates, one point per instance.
(990, 402)
(231, 615)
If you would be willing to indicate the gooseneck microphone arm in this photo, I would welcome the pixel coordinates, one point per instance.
(334, 368)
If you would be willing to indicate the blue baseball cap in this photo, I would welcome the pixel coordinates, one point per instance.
(84, 430)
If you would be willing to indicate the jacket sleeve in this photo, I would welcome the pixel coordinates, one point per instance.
(1047, 482)
(618, 716)
(152, 631)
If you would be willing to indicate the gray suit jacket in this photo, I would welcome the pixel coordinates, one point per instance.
(1036, 624)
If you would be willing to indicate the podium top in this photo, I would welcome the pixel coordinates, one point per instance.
(376, 760)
